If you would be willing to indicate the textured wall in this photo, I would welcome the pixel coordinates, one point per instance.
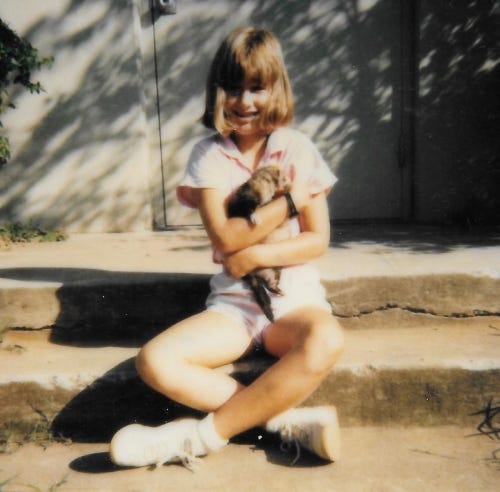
(458, 119)
(91, 154)
(80, 157)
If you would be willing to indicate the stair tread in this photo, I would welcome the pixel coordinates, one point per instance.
(473, 345)
(410, 459)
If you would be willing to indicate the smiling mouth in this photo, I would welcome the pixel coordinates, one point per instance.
(245, 116)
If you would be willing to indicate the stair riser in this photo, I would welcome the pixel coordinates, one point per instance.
(131, 303)
(422, 397)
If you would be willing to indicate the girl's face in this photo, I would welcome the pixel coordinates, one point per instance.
(244, 105)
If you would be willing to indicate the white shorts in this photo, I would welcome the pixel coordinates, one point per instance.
(300, 284)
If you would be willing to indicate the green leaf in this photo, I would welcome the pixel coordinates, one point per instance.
(18, 58)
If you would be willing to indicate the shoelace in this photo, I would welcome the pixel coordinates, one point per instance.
(159, 452)
(289, 439)
(186, 456)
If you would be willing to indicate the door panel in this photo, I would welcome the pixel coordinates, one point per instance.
(344, 63)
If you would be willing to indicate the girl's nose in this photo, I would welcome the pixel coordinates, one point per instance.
(246, 97)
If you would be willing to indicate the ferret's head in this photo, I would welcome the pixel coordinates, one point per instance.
(260, 189)
(264, 183)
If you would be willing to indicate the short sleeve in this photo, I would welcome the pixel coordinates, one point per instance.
(320, 178)
(199, 173)
(307, 164)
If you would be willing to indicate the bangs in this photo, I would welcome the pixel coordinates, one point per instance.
(253, 55)
(259, 66)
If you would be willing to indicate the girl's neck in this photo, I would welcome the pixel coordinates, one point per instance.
(251, 147)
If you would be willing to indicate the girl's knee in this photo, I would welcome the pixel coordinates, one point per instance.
(153, 365)
(163, 367)
(323, 346)
(146, 363)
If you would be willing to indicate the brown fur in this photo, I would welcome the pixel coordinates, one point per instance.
(260, 189)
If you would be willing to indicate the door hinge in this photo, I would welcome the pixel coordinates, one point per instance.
(165, 7)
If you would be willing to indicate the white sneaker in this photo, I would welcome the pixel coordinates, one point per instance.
(313, 428)
(139, 445)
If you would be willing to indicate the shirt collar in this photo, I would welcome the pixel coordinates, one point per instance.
(274, 148)
(229, 149)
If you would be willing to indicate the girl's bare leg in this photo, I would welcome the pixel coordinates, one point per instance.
(308, 341)
(180, 362)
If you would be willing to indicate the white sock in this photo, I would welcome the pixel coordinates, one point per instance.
(275, 423)
(209, 435)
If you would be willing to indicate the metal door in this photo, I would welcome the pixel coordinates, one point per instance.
(345, 61)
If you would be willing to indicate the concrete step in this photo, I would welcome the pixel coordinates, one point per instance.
(427, 371)
(421, 313)
(444, 459)
(126, 303)
(126, 281)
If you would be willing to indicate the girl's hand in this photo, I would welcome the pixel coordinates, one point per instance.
(242, 262)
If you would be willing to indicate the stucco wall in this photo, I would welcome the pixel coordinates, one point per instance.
(343, 59)
(86, 153)
(457, 175)
(80, 155)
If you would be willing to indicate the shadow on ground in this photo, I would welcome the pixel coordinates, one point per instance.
(258, 439)
(119, 397)
(414, 238)
(99, 307)
(100, 462)
(114, 400)
(123, 308)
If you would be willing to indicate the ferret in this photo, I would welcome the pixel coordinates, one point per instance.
(260, 189)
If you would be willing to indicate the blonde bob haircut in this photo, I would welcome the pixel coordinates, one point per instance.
(254, 54)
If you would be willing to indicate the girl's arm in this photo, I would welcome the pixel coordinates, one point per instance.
(311, 243)
(229, 235)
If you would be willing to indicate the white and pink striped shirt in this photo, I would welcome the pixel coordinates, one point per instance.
(215, 162)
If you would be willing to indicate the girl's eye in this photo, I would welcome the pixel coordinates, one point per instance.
(238, 91)
(234, 91)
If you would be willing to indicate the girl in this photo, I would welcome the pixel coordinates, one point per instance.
(249, 103)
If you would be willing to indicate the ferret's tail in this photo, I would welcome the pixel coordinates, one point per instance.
(258, 287)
